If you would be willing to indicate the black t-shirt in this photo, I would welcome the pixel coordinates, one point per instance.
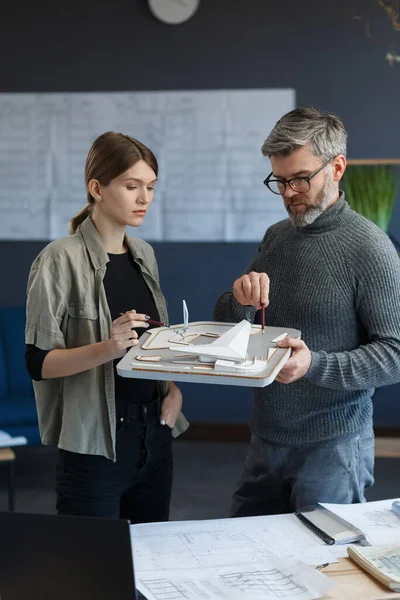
(125, 290)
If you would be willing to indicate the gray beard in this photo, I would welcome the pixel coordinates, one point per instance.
(322, 201)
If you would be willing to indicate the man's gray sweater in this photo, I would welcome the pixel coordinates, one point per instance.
(338, 281)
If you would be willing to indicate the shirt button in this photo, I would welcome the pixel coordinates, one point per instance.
(122, 419)
(145, 410)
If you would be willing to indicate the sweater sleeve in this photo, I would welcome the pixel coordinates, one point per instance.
(376, 363)
(228, 309)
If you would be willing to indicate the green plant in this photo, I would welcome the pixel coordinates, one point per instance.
(371, 191)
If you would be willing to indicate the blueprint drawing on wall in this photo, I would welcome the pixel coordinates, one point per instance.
(208, 145)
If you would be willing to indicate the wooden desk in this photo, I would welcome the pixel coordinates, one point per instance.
(355, 584)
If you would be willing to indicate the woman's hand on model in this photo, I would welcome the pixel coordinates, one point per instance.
(123, 336)
(171, 406)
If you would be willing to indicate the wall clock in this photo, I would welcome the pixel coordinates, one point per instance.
(173, 12)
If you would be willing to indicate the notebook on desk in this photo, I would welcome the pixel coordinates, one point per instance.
(329, 527)
(382, 562)
(49, 557)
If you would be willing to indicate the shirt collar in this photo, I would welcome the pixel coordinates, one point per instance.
(97, 253)
(92, 240)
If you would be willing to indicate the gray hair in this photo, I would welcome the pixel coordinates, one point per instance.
(324, 132)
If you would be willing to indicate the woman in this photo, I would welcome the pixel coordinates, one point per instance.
(114, 434)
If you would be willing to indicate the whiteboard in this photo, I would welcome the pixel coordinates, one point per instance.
(208, 145)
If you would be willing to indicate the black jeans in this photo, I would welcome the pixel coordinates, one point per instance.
(137, 486)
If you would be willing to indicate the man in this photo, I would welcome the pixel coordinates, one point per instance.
(335, 276)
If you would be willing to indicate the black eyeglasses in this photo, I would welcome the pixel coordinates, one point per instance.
(298, 184)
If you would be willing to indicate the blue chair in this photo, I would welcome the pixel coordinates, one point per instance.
(17, 402)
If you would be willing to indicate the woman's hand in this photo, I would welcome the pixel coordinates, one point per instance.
(123, 336)
(65, 362)
(171, 406)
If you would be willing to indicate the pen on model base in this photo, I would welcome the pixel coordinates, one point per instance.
(263, 319)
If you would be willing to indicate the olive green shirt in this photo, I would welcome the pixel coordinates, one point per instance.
(67, 308)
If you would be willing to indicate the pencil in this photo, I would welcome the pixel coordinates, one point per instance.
(263, 319)
(152, 322)
(159, 323)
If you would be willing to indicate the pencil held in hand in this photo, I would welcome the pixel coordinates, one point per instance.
(159, 323)
(151, 321)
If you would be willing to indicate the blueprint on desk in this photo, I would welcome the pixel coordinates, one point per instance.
(286, 578)
(208, 145)
(228, 558)
(375, 519)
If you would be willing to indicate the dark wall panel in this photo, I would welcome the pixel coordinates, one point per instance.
(315, 47)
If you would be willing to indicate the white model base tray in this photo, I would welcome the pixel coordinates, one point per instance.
(163, 369)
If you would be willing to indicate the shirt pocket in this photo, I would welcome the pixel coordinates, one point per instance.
(83, 324)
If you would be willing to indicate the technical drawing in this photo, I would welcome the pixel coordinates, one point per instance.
(215, 135)
(271, 582)
(163, 589)
(383, 518)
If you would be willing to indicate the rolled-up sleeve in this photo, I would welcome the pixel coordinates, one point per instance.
(46, 307)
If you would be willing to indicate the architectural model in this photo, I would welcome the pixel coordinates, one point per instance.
(196, 345)
(231, 346)
(239, 354)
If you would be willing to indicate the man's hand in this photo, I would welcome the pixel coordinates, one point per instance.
(171, 406)
(252, 290)
(299, 362)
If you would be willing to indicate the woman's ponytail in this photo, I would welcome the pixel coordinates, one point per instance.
(78, 219)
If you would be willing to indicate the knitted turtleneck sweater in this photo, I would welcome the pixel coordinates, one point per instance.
(338, 281)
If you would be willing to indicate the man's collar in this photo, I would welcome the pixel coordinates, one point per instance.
(330, 218)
